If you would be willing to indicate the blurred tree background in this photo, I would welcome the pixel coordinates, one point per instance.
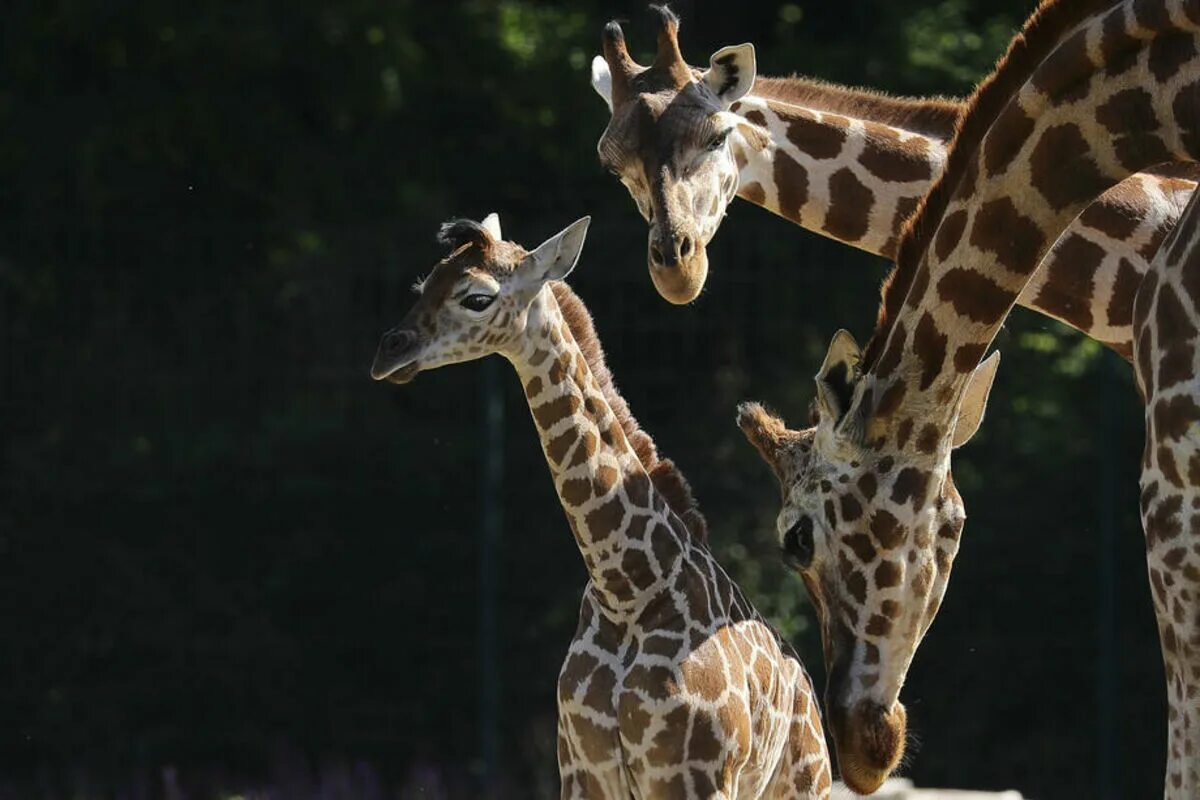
(228, 559)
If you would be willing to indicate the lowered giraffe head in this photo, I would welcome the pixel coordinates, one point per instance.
(875, 577)
(476, 300)
(669, 142)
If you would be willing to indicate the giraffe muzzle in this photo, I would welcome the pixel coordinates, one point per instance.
(396, 358)
(678, 266)
(869, 740)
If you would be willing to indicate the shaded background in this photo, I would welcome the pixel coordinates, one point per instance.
(230, 563)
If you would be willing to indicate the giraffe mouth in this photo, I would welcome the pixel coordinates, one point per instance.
(401, 375)
(395, 370)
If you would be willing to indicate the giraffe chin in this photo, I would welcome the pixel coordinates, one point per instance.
(682, 283)
(402, 375)
(870, 743)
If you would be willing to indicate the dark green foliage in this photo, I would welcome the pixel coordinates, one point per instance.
(219, 538)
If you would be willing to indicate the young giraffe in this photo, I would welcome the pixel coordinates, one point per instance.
(845, 163)
(674, 686)
(1088, 93)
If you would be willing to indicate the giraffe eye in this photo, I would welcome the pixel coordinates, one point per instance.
(798, 544)
(477, 302)
(718, 141)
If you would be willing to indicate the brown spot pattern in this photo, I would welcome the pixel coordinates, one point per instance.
(819, 140)
(949, 234)
(897, 162)
(1070, 281)
(1063, 170)
(1120, 305)
(1014, 239)
(850, 205)
(967, 356)
(791, 181)
(929, 345)
(1006, 138)
(1169, 53)
(910, 486)
(886, 529)
(975, 296)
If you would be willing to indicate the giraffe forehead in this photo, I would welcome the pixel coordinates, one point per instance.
(653, 126)
(470, 265)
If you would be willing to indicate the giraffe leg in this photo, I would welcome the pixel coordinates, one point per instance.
(1173, 539)
(1171, 519)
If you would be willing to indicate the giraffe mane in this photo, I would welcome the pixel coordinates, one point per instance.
(1037, 39)
(666, 477)
(932, 116)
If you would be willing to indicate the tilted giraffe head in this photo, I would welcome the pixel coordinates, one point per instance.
(476, 300)
(669, 143)
(873, 535)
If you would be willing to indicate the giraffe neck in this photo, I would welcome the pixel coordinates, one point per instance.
(627, 534)
(844, 164)
(1042, 143)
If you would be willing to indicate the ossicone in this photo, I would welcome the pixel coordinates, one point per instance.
(764, 430)
(458, 233)
(669, 59)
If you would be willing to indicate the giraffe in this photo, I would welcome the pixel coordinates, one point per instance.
(846, 163)
(673, 686)
(1089, 92)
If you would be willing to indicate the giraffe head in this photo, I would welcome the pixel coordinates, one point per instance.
(872, 530)
(670, 141)
(476, 300)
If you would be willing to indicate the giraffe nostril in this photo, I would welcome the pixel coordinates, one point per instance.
(685, 247)
(397, 341)
(656, 255)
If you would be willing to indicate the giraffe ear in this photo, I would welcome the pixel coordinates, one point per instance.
(491, 223)
(974, 399)
(838, 376)
(731, 72)
(554, 258)
(602, 80)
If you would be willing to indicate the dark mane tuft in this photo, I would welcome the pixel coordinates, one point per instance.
(666, 477)
(458, 233)
(934, 116)
(1037, 39)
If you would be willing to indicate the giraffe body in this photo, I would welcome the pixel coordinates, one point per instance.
(1089, 93)
(851, 165)
(673, 686)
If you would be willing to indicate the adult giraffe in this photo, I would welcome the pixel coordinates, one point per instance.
(846, 163)
(673, 686)
(1089, 92)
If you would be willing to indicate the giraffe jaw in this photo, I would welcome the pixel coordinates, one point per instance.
(404, 374)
